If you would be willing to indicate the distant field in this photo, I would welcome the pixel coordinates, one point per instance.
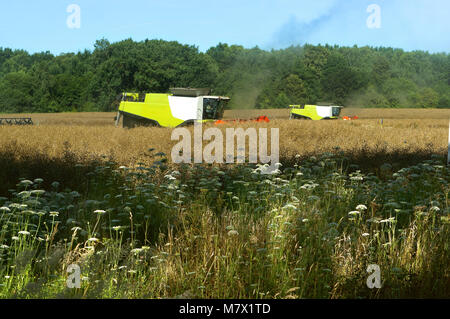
(107, 118)
(362, 113)
(92, 135)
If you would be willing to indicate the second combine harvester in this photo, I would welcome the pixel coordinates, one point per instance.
(322, 111)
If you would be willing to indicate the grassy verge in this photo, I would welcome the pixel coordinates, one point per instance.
(309, 231)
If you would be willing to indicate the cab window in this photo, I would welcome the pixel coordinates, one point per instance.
(213, 108)
(336, 111)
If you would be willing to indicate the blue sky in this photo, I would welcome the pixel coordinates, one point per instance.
(408, 24)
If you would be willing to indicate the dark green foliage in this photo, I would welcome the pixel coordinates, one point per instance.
(351, 76)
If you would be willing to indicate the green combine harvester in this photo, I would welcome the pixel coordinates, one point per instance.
(321, 111)
(181, 107)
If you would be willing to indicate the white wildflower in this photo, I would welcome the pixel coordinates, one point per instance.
(361, 207)
(24, 194)
(26, 182)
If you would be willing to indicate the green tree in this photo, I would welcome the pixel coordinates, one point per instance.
(429, 98)
(281, 101)
(380, 70)
(339, 79)
(17, 92)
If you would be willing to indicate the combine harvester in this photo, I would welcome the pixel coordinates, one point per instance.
(183, 106)
(322, 111)
(16, 121)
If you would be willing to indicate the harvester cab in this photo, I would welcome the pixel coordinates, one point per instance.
(181, 107)
(321, 111)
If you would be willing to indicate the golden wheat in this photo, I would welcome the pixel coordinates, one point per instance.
(127, 146)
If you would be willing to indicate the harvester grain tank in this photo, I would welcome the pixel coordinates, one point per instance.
(181, 107)
(321, 111)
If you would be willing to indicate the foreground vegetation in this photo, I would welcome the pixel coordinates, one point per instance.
(351, 76)
(309, 231)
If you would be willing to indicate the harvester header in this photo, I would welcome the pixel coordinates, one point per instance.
(16, 121)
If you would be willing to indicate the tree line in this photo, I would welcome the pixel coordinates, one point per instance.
(253, 78)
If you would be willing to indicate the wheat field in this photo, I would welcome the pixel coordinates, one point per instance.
(296, 137)
(93, 135)
(59, 141)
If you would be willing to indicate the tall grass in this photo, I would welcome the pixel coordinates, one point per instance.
(155, 231)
